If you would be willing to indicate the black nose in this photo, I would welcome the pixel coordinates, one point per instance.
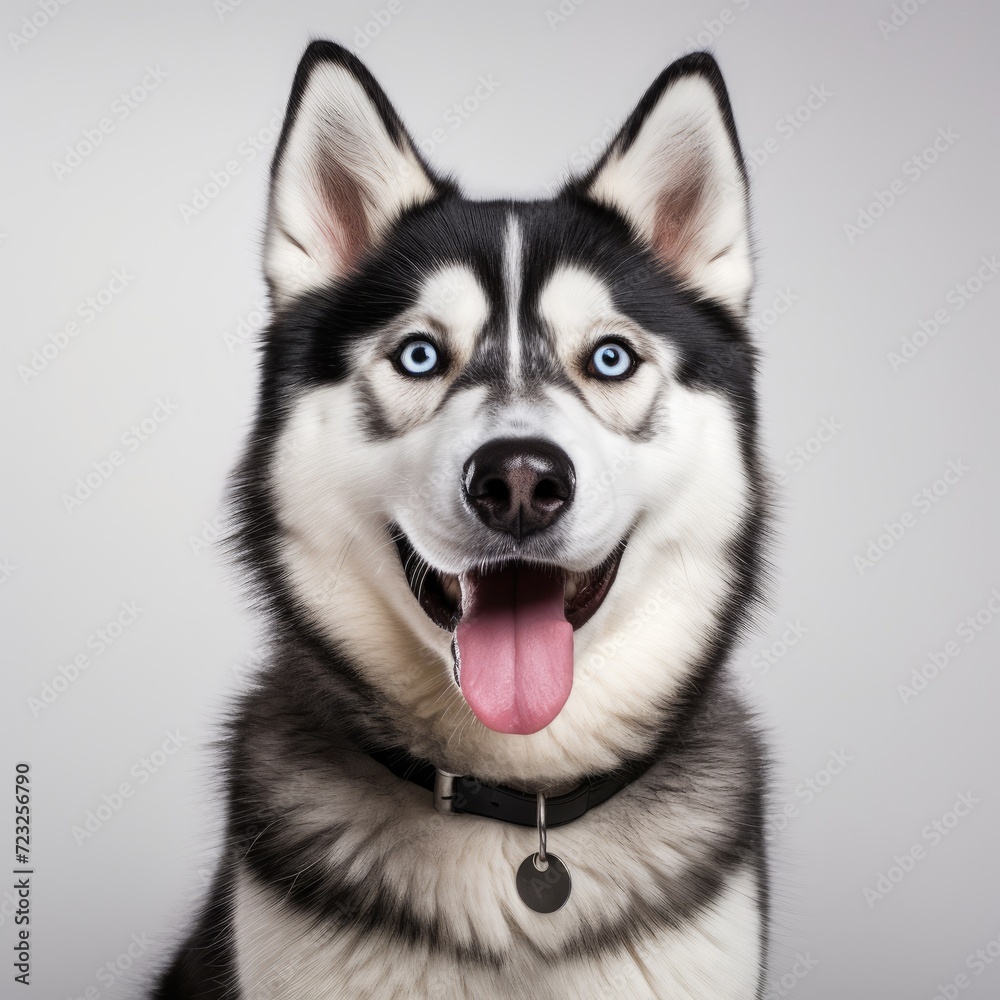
(519, 485)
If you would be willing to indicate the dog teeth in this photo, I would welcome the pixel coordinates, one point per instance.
(571, 587)
(451, 587)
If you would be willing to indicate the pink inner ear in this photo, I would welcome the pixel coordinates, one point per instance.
(342, 217)
(678, 224)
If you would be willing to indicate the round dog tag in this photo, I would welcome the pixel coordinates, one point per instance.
(544, 891)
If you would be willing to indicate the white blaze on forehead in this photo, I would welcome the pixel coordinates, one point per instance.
(455, 300)
(513, 262)
(570, 303)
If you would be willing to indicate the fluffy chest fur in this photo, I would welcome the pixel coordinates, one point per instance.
(356, 887)
(283, 956)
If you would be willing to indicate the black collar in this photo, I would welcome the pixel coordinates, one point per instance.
(467, 795)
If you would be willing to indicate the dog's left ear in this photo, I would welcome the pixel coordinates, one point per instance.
(675, 171)
(344, 171)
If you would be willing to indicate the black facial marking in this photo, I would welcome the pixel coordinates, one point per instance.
(310, 342)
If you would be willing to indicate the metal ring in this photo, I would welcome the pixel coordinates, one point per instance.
(540, 805)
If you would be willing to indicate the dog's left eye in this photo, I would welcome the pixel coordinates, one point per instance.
(611, 360)
(418, 357)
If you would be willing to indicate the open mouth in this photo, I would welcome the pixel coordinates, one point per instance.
(513, 624)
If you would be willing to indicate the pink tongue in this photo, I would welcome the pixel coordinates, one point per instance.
(515, 648)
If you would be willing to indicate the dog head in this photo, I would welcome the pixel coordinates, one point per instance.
(504, 460)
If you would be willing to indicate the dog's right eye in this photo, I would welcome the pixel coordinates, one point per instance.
(418, 356)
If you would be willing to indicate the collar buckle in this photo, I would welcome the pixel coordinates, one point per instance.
(444, 791)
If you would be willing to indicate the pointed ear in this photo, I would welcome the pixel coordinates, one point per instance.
(675, 172)
(344, 171)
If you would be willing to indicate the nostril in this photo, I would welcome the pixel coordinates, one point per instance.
(551, 489)
(493, 488)
(496, 489)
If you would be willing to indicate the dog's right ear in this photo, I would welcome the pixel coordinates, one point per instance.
(344, 170)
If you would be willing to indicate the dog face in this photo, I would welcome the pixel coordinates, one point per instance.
(491, 433)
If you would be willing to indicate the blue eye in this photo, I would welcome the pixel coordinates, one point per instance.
(418, 357)
(611, 360)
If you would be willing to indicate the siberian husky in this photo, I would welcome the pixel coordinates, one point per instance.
(504, 509)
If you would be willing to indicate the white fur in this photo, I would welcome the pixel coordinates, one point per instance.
(684, 138)
(513, 263)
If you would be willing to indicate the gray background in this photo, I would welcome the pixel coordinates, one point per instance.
(181, 330)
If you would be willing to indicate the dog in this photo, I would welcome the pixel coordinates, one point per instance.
(504, 511)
